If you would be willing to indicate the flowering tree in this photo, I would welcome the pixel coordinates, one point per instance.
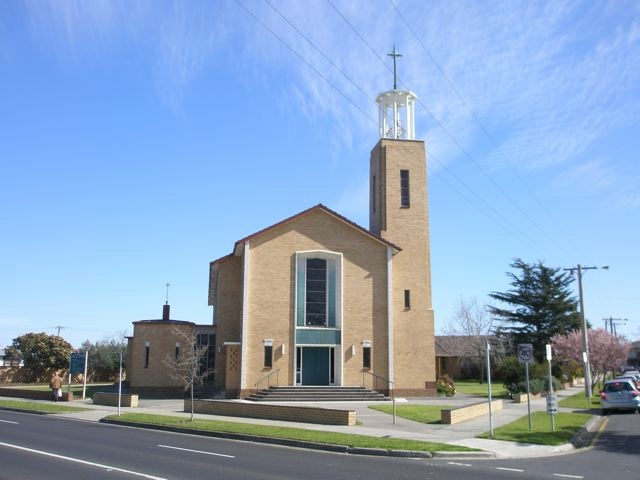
(606, 351)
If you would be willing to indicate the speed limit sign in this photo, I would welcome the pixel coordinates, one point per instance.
(525, 352)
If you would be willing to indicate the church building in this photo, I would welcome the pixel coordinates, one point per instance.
(317, 300)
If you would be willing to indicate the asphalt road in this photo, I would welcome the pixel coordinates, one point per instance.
(38, 447)
(615, 455)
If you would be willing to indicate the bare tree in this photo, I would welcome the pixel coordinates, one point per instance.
(188, 366)
(473, 323)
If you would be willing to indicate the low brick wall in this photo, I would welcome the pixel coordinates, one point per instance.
(111, 399)
(522, 397)
(460, 414)
(323, 416)
(34, 394)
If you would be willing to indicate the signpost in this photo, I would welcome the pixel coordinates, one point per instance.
(489, 384)
(525, 355)
(78, 364)
(552, 400)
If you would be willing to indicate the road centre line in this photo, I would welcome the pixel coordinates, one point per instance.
(9, 421)
(510, 469)
(83, 462)
(197, 451)
(567, 476)
(460, 464)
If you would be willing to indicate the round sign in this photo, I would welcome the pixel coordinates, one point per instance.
(525, 352)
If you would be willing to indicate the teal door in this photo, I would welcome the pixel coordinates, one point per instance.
(315, 366)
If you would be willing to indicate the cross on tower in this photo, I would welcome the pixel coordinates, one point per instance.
(395, 55)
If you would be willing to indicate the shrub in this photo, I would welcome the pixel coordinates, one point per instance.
(446, 386)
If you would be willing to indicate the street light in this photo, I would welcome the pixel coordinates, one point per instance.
(585, 339)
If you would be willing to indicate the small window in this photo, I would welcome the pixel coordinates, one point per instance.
(146, 355)
(366, 356)
(407, 299)
(177, 351)
(268, 356)
(404, 188)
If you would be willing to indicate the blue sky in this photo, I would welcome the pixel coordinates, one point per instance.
(139, 140)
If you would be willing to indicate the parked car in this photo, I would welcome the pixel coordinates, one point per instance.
(619, 394)
(633, 378)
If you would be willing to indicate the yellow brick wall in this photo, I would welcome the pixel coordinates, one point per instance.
(162, 344)
(272, 294)
(322, 416)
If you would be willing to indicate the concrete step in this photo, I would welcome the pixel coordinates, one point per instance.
(316, 394)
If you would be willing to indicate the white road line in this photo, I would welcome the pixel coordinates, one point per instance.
(567, 476)
(460, 464)
(84, 462)
(509, 469)
(9, 421)
(197, 451)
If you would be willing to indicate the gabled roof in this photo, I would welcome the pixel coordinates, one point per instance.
(319, 207)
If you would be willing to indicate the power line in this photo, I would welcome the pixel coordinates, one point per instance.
(481, 125)
(332, 85)
(453, 139)
(304, 60)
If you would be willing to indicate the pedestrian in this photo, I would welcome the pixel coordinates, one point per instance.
(56, 387)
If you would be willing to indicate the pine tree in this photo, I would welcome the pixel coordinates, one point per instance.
(539, 305)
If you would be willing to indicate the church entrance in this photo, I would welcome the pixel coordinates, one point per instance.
(315, 366)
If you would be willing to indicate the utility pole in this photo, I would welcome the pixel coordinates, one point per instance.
(59, 327)
(585, 339)
(613, 323)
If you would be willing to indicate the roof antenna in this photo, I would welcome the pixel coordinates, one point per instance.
(167, 299)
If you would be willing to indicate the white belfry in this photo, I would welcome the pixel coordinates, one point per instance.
(396, 109)
(396, 114)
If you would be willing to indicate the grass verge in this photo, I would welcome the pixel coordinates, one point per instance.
(39, 407)
(330, 438)
(472, 387)
(417, 413)
(567, 424)
(580, 401)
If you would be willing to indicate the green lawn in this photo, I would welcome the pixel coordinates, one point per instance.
(40, 407)
(76, 389)
(417, 413)
(579, 401)
(473, 387)
(567, 424)
(289, 433)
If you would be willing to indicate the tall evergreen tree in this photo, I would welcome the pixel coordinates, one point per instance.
(539, 305)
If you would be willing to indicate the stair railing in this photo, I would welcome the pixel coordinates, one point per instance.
(391, 389)
(268, 379)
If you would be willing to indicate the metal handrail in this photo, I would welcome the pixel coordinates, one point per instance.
(267, 377)
(392, 389)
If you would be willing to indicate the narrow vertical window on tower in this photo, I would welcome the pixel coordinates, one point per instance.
(407, 299)
(146, 354)
(373, 194)
(404, 188)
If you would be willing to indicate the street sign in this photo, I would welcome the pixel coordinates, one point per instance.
(525, 352)
(77, 363)
(552, 404)
(548, 352)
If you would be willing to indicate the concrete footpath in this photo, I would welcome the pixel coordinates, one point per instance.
(378, 424)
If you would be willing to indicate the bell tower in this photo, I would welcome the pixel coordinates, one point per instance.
(398, 212)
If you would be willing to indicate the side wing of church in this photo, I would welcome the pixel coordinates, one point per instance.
(317, 300)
